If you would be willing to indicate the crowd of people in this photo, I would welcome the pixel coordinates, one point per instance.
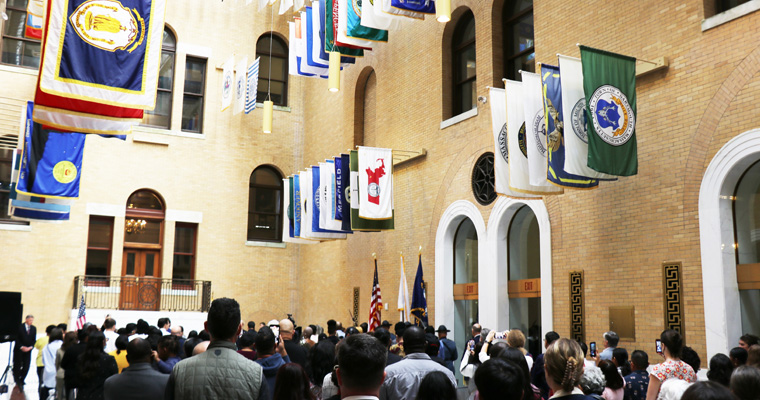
(281, 361)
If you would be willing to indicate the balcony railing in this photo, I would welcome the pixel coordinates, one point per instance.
(141, 293)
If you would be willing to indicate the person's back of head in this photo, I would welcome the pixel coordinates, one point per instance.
(399, 329)
(720, 370)
(161, 322)
(169, 345)
(706, 390)
(82, 335)
(433, 345)
(138, 351)
(109, 323)
(745, 383)
(753, 356)
(640, 359)
(49, 329)
(436, 386)
(131, 328)
(563, 362)
(738, 356)
(516, 339)
(414, 340)
(620, 358)
(612, 338)
(476, 329)
(550, 338)
(592, 381)
(383, 336)
(321, 361)
(518, 358)
(223, 321)
(673, 341)
(56, 334)
(351, 331)
(496, 349)
(265, 342)
(691, 357)
(499, 379)
(361, 365)
(292, 383)
(612, 378)
(204, 335)
(63, 327)
(332, 326)
(251, 325)
(89, 361)
(247, 339)
(121, 343)
(143, 328)
(69, 339)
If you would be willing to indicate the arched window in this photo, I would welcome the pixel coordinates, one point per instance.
(265, 205)
(524, 261)
(519, 49)
(161, 115)
(274, 45)
(465, 278)
(365, 108)
(463, 60)
(747, 228)
(141, 262)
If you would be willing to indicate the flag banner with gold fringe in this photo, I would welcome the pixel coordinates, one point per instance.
(574, 113)
(609, 83)
(419, 311)
(345, 184)
(555, 141)
(358, 223)
(34, 208)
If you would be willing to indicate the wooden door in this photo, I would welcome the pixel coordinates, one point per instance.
(140, 280)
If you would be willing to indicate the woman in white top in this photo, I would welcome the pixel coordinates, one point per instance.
(48, 362)
(672, 367)
(515, 339)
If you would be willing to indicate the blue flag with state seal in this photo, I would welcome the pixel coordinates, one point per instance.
(104, 51)
(419, 300)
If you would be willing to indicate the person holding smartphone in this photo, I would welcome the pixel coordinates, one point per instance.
(672, 367)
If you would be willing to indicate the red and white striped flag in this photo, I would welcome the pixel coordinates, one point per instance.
(82, 315)
(376, 304)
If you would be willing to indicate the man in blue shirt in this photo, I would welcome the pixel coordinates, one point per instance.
(168, 354)
(637, 382)
(611, 340)
(448, 351)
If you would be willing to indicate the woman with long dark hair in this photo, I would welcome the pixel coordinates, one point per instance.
(672, 367)
(721, 368)
(613, 387)
(516, 355)
(320, 363)
(94, 367)
(292, 383)
(436, 386)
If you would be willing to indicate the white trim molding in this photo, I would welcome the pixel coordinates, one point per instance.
(730, 15)
(107, 210)
(716, 233)
(184, 216)
(495, 314)
(459, 118)
(444, 260)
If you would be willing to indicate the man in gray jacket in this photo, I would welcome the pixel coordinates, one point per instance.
(220, 372)
(139, 381)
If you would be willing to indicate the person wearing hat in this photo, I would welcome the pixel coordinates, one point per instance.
(387, 325)
(448, 351)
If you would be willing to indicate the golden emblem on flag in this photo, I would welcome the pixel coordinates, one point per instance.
(108, 25)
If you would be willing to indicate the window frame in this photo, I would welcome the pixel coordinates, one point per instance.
(109, 249)
(510, 19)
(193, 255)
(24, 39)
(173, 51)
(251, 212)
(457, 52)
(457, 232)
(722, 6)
(196, 95)
(283, 56)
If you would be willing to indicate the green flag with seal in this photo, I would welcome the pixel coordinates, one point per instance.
(609, 84)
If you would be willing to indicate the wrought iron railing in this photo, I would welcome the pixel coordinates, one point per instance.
(141, 293)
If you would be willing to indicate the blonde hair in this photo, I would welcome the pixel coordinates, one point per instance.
(516, 339)
(564, 363)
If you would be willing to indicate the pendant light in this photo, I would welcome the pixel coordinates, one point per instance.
(333, 80)
(443, 10)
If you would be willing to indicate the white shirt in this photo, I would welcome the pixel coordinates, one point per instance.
(48, 360)
(110, 340)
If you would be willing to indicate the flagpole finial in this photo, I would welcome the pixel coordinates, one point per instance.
(374, 255)
(420, 253)
(578, 45)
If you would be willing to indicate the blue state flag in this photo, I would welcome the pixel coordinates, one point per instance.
(420, 6)
(297, 205)
(419, 300)
(33, 207)
(51, 163)
(316, 198)
(338, 189)
(345, 177)
(555, 140)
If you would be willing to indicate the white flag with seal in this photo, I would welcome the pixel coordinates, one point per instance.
(497, 99)
(287, 222)
(227, 82)
(374, 17)
(375, 183)
(241, 73)
(535, 128)
(574, 111)
(516, 135)
(307, 210)
(252, 86)
(327, 202)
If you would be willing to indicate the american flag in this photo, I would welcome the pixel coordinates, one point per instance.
(376, 304)
(81, 315)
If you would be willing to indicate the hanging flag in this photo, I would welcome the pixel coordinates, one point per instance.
(35, 10)
(419, 315)
(403, 295)
(288, 228)
(318, 36)
(516, 144)
(375, 304)
(51, 164)
(358, 223)
(298, 5)
(297, 204)
(34, 208)
(338, 161)
(609, 82)
(264, 3)
(497, 99)
(340, 13)
(555, 141)
(241, 77)
(373, 16)
(388, 9)
(535, 128)
(81, 315)
(310, 210)
(574, 113)
(327, 219)
(345, 184)
(328, 28)
(301, 49)
(252, 86)
(354, 28)
(227, 89)
(375, 183)
(285, 6)
(313, 55)
(294, 63)
(419, 6)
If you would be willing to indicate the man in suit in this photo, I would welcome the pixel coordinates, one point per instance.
(139, 381)
(22, 351)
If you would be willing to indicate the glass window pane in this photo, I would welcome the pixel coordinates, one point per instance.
(465, 314)
(131, 263)
(182, 267)
(750, 306)
(15, 25)
(101, 233)
(522, 34)
(266, 176)
(262, 227)
(19, 52)
(522, 5)
(166, 73)
(465, 30)
(467, 96)
(17, 3)
(150, 234)
(278, 93)
(524, 246)
(97, 262)
(145, 199)
(161, 115)
(465, 67)
(525, 315)
(150, 264)
(747, 216)
(466, 253)
(195, 71)
(168, 41)
(265, 200)
(192, 113)
(184, 238)
(279, 70)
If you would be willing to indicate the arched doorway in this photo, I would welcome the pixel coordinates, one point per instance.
(141, 264)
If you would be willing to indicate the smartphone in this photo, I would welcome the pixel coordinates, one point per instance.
(499, 335)
(471, 344)
(592, 349)
(658, 346)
